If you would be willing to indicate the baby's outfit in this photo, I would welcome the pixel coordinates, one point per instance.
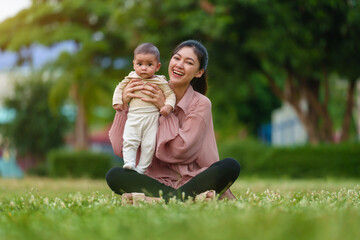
(142, 122)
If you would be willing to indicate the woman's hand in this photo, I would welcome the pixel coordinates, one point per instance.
(129, 91)
(155, 95)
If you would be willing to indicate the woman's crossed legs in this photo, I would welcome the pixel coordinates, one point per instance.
(219, 177)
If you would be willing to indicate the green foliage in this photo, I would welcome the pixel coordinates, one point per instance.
(238, 101)
(65, 163)
(36, 129)
(299, 162)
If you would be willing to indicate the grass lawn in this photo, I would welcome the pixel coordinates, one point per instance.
(41, 208)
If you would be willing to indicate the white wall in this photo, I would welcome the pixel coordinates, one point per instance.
(287, 130)
(6, 90)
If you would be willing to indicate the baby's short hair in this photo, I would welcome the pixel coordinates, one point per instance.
(147, 48)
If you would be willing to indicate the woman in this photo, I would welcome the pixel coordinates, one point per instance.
(186, 162)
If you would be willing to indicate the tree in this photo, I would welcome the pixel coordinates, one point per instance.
(296, 46)
(315, 38)
(36, 128)
(83, 76)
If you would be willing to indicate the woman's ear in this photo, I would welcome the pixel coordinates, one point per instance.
(200, 73)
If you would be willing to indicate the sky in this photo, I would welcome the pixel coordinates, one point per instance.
(9, 8)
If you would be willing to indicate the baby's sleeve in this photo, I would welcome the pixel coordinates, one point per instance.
(117, 97)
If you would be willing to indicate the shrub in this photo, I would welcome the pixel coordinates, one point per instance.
(249, 153)
(313, 162)
(64, 163)
(295, 162)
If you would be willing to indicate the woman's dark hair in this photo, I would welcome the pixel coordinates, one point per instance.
(199, 84)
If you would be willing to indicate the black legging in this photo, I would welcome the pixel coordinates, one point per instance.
(219, 177)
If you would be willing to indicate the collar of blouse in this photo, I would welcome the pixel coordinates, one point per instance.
(185, 101)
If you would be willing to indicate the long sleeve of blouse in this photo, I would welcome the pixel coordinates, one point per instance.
(116, 132)
(117, 96)
(181, 136)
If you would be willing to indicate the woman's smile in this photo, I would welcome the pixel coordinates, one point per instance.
(178, 73)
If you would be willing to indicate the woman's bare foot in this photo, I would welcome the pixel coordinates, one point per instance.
(228, 195)
(138, 198)
(205, 196)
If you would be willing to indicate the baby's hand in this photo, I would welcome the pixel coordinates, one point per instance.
(118, 107)
(165, 110)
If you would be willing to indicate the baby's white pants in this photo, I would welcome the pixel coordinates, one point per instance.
(140, 130)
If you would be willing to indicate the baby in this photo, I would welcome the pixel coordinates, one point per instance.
(142, 118)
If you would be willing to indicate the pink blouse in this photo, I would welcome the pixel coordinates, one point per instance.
(186, 142)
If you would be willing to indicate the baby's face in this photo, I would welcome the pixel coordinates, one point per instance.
(146, 65)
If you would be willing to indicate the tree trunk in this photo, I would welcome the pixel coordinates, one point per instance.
(357, 116)
(348, 112)
(319, 111)
(307, 123)
(81, 128)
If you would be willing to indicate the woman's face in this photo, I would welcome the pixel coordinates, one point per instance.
(183, 67)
